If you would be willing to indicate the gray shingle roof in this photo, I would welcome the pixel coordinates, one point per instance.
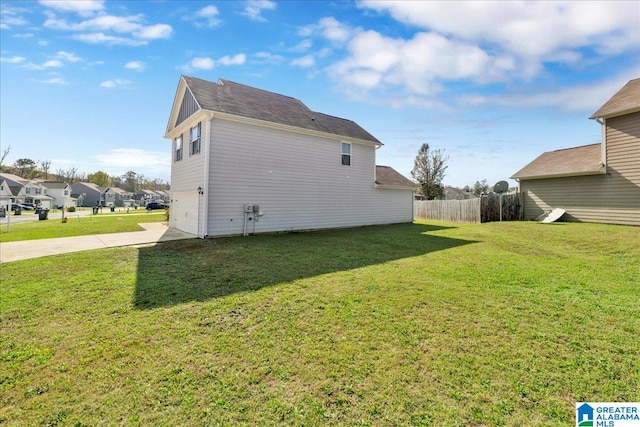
(234, 98)
(625, 100)
(386, 175)
(576, 161)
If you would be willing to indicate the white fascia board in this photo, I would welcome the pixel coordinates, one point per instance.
(395, 187)
(196, 117)
(601, 171)
(288, 128)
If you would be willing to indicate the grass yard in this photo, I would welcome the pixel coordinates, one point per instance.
(79, 225)
(417, 324)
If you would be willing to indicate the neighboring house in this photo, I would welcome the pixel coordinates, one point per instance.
(26, 190)
(247, 160)
(60, 193)
(6, 196)
(452, 193)
(597, 182)
(88, 193)
(142, 197)
(114, 196)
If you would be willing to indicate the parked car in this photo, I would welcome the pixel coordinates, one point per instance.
(156, 205)
(29, 206)
(21, 206)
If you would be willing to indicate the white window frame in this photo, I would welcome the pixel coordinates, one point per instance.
(178, 152)
(194, 140)
(345, 156)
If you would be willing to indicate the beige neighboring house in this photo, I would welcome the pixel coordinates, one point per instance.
(597, 182)
(246, 160)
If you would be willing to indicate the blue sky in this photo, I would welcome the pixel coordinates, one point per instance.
(90, 84)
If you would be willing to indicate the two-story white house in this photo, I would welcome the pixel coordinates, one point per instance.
(245, 160)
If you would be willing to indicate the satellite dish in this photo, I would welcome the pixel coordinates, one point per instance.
(501, 187)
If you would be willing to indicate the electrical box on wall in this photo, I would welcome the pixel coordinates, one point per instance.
(248, 208)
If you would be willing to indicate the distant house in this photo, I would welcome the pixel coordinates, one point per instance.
(6, 196)
(452, 193)
(143, 197)
(248, 159)
(114, 196)
(60, 193)
(596, 182)
(88, 193)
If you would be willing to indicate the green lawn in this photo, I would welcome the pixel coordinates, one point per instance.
(418, 324)
(116, 222)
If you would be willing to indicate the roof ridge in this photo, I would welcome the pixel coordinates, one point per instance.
(573, 148)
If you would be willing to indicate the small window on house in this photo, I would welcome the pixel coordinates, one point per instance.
(38, 190)
(195, 140)
(346, 154)
(28, 190)
(178, 148)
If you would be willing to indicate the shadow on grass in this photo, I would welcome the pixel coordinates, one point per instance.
(197, 270)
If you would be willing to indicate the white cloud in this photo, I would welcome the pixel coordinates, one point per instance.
(578, 98)
(23, 35)
(101, 38)
(202, 63)
(110, 29)
(330, 29)
(253, 9)
(135, 66)
(67, 56)
(13, 59)
(11, 16)
(110, 84)
(306, 61)
(53, 63)
(206, 63)
(54, 81)
(267, 58)
(120, 160)
(82, 8)
(417, 64)
(153, 32)
(209, 14)
(237, 59)
(532, 30)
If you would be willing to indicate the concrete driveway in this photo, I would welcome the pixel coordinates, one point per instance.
(153, 233)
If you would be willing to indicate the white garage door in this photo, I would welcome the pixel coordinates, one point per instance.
(184, 211)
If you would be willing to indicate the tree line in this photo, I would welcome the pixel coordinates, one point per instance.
(130, 181)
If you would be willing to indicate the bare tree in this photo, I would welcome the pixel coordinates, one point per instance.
(5, 153)
(45, 165)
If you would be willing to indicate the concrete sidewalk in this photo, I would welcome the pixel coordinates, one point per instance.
(154, 232)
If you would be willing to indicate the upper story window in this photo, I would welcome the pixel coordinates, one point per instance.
(38, 190)
(195, 140)
(346, 154)
(27, 190)
(178, 141)
(66, 192)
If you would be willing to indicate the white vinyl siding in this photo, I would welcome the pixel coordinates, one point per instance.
(187, 174)
(296, 180)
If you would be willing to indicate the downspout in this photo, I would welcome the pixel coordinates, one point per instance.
(205, 183)
(603, 144)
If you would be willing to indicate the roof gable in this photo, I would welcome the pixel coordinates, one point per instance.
(389, 177)
(626, 100)
(576, 161)
(237, 99)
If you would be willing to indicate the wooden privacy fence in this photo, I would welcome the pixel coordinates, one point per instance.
(482, 209)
